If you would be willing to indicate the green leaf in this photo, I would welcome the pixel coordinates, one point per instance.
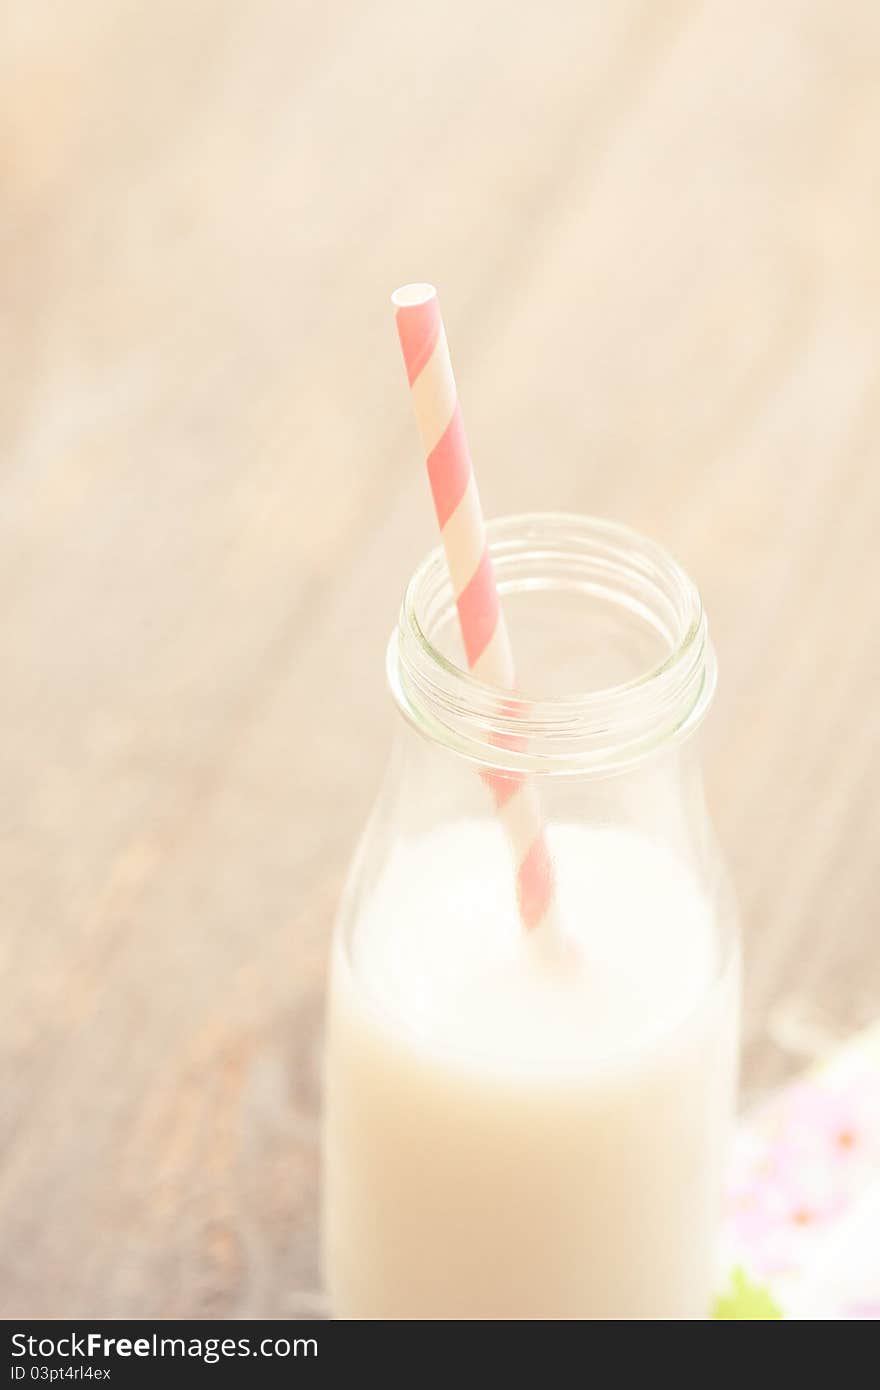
(745, 1300)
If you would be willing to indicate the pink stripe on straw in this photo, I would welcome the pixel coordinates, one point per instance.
(419, 327)
(534, 874)
(449, 468)
(438, 415)
(479, 610)
(502, 785)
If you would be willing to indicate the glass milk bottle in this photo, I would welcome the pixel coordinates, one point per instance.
(518, 1126)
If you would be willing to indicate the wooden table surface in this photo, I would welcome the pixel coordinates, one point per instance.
(656, 230)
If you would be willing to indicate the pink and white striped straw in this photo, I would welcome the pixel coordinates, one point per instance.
(463, 531)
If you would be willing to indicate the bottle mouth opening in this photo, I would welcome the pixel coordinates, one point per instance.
(611, 642)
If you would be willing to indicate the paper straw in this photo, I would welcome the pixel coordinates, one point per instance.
(463, 532)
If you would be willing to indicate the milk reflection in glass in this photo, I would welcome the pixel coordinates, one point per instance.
(515, 1130)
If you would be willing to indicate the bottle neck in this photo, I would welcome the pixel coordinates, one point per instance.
(591, 602)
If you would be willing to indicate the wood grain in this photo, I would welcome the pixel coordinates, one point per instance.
(656, 231)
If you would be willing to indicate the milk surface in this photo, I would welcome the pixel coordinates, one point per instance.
(514, 1131)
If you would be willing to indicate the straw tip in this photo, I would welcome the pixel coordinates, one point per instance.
(410, 296)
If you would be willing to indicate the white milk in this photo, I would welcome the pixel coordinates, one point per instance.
(514, 1135)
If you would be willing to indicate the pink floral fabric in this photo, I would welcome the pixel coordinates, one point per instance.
(803, 1201)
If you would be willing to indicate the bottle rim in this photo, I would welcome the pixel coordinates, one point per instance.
(598, 731)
